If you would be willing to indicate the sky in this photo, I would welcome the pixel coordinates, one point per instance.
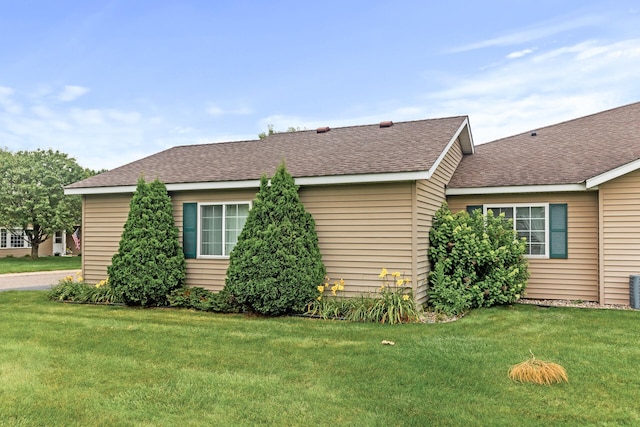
(111, 81)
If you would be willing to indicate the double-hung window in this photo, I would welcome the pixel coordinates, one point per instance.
(211, 230)
(544, 226)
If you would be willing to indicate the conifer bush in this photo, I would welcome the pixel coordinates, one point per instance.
(276, 265)
(149, 263)
(477, 261)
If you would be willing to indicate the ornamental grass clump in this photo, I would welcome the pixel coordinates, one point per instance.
(75, 289)
(538, 372)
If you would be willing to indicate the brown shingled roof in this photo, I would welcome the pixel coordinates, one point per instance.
(566, 153)
(403, 147)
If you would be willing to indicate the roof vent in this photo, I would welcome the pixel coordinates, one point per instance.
(386, 124)
(534, 133)
(323, 129)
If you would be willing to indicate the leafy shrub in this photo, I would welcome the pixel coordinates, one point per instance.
(276, 265)
(477, 261)
(202, 299)
(149, 263)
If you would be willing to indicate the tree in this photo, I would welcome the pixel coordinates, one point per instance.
(270, 131)
(32, 194)
(276, 265)
(149, 263)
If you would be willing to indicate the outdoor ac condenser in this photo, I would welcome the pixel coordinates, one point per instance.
(634, 291)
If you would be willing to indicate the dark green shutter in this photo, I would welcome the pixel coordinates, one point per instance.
(190, 230)
(472, 208)
(558, 240)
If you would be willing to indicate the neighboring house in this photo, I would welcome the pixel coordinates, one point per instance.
(372, 191)
(13, 243)
(573, 188)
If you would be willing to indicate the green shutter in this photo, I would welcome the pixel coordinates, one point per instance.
(190, 230)
(558, 240)
(472, 208)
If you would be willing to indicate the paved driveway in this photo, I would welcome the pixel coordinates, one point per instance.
(33, 281)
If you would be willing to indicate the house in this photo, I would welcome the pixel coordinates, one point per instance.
(13, 243)
(372, 191)
(573, 189)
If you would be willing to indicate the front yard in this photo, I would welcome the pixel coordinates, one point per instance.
(49, 263)
(67, 364)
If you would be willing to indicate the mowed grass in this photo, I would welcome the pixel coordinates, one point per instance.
(50, 263)
(82, 365)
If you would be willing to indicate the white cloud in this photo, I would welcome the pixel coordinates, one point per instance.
(126, 117)
(533, 33)
(71, 93)
(6, 101)
(519, 53)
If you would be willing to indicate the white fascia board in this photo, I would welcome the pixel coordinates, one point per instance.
(303, 181)
(558, 188)
(613, 174)
(464, 125)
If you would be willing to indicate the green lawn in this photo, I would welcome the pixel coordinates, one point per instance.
(66, 364)
(50, 263)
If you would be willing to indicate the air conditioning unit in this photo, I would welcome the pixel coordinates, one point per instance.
(634, 291)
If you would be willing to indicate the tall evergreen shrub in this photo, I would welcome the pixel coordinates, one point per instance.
(276, 265)
(477, 261)
(149, 263)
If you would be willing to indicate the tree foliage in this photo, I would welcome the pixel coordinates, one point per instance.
(276, 266)
(32, 193)
(477, 261)
(149, 263)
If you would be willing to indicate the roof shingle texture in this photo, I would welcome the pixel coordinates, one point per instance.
(566, 153)
(403, 147)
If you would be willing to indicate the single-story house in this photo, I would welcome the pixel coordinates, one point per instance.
(573, 189)
(13, 243)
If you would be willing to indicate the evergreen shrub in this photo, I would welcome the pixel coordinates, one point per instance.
(276, 265)
(149, 263)
(477, 261)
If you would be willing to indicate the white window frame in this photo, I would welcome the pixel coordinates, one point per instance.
(487, 207)
(7, 244)
(224, 224)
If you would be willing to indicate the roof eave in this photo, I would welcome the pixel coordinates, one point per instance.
(517, 189)
(613, 174)
(225, 185)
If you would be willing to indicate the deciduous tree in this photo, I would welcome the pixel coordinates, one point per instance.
(32, 194)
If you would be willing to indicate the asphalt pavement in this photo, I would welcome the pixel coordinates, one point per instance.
(41, 280)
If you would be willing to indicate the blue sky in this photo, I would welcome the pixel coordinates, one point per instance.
(109, 82)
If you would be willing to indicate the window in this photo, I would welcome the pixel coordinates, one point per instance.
(530, 222)
(13, 239)
(220, 225)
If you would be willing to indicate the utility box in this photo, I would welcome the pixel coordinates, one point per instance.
(634, 291)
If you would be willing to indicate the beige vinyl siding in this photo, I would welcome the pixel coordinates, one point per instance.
(103, 220)
(429, 197)
(620, 204)
(361, 229)
(574, 278)
(207, 273)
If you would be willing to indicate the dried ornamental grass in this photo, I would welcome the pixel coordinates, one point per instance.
(538, 372)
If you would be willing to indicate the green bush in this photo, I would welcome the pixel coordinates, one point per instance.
(149, 263)
(202, 299)
(276, 265)
(477, 261)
